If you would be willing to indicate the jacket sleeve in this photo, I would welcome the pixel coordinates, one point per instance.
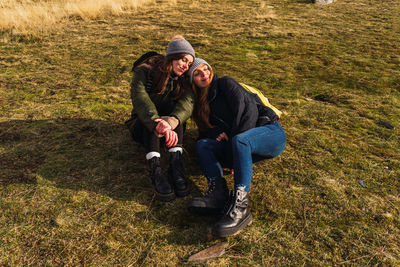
(244, 109)
(211, 133)
(184, 106)
(143, 106)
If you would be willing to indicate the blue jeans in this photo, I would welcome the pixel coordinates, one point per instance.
(242, 151)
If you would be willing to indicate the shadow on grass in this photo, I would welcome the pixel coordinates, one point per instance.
(100, 157)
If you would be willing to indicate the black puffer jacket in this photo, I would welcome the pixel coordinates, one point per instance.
(233, 109)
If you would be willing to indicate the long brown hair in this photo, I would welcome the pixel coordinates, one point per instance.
(161, 69)
(201, 111)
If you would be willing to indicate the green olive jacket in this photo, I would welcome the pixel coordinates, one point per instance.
(148, 105)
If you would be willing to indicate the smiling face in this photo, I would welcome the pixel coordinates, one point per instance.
(179, 66)
(202, 76)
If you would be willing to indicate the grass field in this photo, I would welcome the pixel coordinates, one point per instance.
(74, 188)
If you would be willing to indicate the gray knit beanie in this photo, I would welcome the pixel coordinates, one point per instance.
(196, 63)
(180, 46)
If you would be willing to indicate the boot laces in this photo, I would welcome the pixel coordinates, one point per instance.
(234, 204)
(228, 204)
(240, 200)
(211, 188)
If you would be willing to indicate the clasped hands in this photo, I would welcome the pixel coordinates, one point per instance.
(222, 136)
(164, 129)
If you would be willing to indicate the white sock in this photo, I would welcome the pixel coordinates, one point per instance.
(176, 149)
(152, 155)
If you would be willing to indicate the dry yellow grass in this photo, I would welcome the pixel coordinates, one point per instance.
(28, 15)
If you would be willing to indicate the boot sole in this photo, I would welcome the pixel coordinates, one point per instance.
(165, 197)
(162, 197)
(234, 230)
(182, 193)
(179, 193)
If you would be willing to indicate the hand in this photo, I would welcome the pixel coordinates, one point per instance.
(171, 138)
(172, 121)
(162, 126)
(222, 136)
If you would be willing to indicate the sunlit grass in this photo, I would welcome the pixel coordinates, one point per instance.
(74, 187)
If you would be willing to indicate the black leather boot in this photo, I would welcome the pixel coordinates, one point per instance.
(236, 217)
(213, 201)
(160, 182)
(177, 174)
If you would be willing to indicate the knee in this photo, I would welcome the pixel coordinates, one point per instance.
(239, 140)
(202, 145)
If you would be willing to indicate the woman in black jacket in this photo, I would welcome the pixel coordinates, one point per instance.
(161, 106)
(235, 130)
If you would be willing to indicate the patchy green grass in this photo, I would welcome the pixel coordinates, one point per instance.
(74, 188)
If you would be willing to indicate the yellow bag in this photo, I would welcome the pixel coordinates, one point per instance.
(262, 97)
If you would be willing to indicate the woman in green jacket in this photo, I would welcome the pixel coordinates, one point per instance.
(161, 105)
